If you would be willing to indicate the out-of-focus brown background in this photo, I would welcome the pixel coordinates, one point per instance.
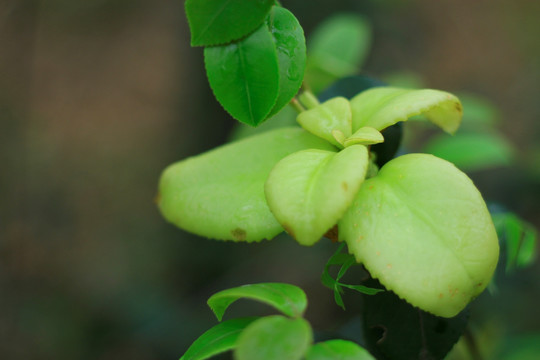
(97, 97)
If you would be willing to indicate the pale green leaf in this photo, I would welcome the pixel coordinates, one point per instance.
(220, 194)
(273, 338)
(332, 115)
(214, 22)
(220, 338)
(291, 52)
(245, 76)
(384, 106)
(364, 136)
(289, 299)
(472, 151)
(338, 350)
(422, 228)
(309, 191)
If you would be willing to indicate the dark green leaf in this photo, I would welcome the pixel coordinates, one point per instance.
(288, 299)
(346, 265)
(220, 338)
(220, 194)
(274, 338)
(214, 22)
(337, 296)
(346, 261)
(337, 258)
(245, 76)
(291, 52)
(337, 350)
(362, 289)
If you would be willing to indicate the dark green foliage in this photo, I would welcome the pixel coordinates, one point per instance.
(215, 22)
(346, 261)
(288, 299)
(220, 338)
(395, 330)
(291, 53)
(255, 77)
(245, 76)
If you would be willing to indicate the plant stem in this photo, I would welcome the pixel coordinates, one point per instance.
(297, 106)
(472, 346)
(308, 99)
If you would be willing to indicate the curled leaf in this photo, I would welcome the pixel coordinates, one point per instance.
(384, 106)
(220, 338)
(289, 299)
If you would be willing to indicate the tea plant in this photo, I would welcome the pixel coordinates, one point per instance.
(415, 222)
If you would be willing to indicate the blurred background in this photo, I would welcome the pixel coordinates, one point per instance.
(97, 97)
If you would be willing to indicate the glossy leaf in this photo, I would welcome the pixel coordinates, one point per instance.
(309, 191)
(324, 119)
(291, 53)
(384, 106)
(289, 299)
(422, 228)
(336, 49)
(214, 22)
(274, 337)
(245, 76)
(220, 194)
(338, 350)
(472, 151)
(220, 338)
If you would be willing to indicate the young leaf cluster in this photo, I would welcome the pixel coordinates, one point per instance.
(345, 261)
(274, 337)
(419, 225)
(255, 54)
